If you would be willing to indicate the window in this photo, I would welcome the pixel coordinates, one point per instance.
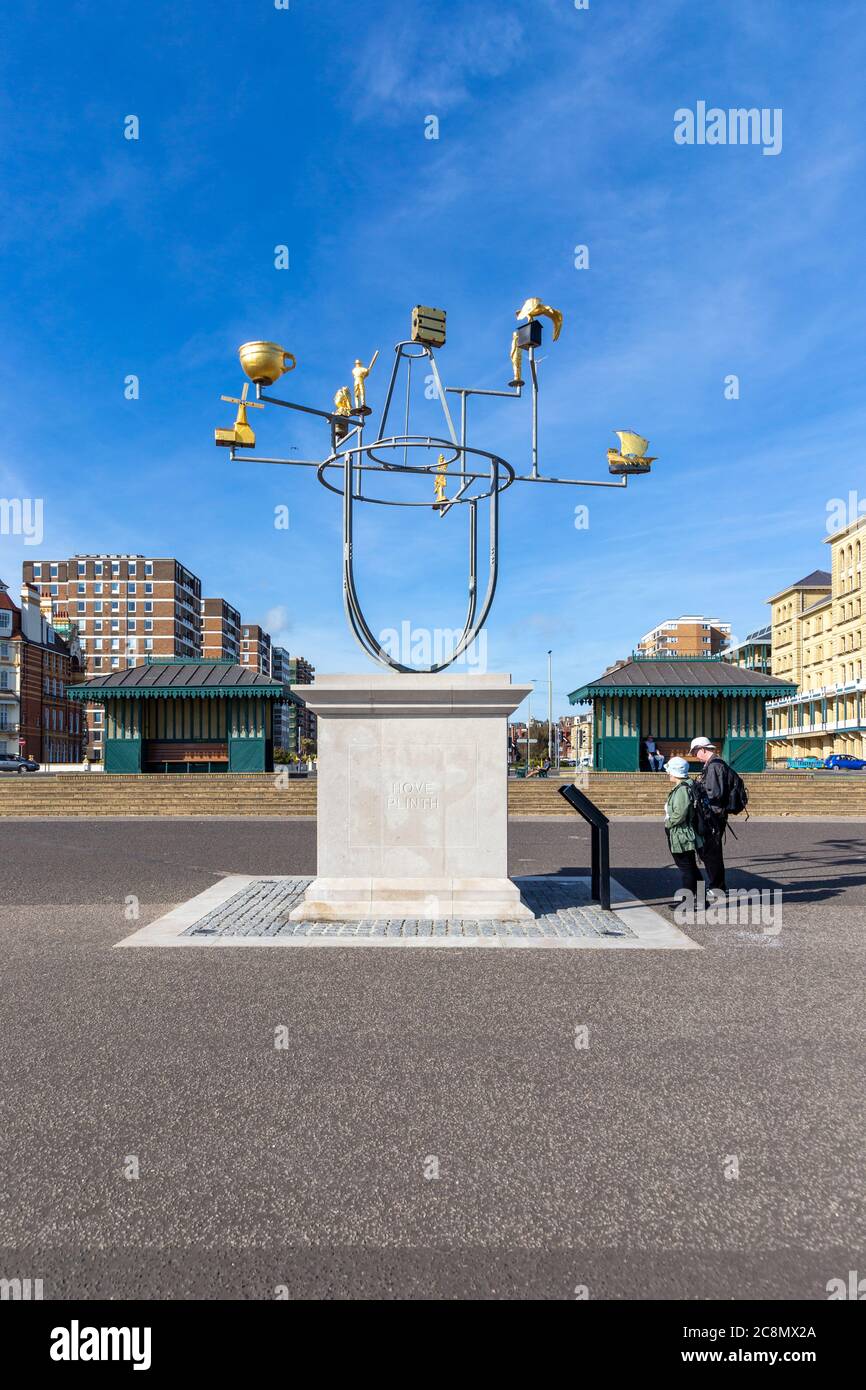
(148, 624)
(37, 571)
(97, 569)
(53, 571)
(82, 588)
(54, 591)
(148, 588)
(97, 625)
(148, 606)
(148, 567)
(98, 644)
(97, 716)
(115, 607)
(97, 607)
(130, 607)
(115, 644)
(82, 569)
(97, 588)
(115, 663)
(131, 625)
(115, 567)
(97, 662)
(133, 568)
(115, 588)
(148, 644)
(131, 588)
(82, 608)
(115, 625)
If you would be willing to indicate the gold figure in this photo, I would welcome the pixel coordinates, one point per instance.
(516, 361)
(534, 307)
(632, 456)
(241, 435)
(440, 482)
(265, 362)
(343, 407)
(359, 376)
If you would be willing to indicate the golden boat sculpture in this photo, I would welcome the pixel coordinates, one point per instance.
(632, 456)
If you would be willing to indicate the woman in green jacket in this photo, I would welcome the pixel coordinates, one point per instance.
(683, 838)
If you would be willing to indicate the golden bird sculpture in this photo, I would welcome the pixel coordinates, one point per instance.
(533, 309)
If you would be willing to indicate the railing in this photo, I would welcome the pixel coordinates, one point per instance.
(600, 833)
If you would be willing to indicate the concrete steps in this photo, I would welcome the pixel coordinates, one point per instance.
(257, 794)
(98, 794)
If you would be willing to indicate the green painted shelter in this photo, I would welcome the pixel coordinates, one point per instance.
(185, 716)
(676, 700)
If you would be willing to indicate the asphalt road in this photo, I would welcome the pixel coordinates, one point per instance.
(607, 1167)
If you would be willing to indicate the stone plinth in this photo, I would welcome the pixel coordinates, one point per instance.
(412, 812)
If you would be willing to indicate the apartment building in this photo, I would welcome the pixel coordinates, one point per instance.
(754, 653)
(10, 700)
(690, 635)
(255, 648)
(280, 719)
(817, 640)
(37, 668)
(302, 725)
(581, 738)
(126, 607)
(220, 631)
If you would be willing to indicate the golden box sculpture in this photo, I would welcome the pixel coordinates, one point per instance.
(428, 325)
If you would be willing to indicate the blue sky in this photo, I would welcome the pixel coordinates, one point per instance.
(305, 127)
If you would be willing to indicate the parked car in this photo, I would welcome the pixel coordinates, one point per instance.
(844, 762)
(11, 762)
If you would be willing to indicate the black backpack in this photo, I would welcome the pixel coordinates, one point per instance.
(704, 820)
(738, 796)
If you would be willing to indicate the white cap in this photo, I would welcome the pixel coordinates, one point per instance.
(697, 743)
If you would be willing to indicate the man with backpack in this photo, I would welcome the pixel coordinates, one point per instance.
(722, 793)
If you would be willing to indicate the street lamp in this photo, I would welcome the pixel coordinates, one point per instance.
(550, 704)
(532, 680)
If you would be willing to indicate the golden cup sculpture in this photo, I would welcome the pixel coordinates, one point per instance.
(264, 363)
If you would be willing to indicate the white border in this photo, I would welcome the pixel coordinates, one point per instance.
(651, 931)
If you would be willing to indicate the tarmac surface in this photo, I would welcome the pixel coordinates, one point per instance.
(428, 1124)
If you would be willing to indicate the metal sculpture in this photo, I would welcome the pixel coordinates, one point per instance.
(354, 464)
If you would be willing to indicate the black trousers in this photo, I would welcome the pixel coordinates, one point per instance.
(688, 867)
(714, 863)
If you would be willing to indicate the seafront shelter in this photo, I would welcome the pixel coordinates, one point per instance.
(676, 700)
(186, 716)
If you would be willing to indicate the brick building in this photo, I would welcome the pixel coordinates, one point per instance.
(691, 635)
(220, 631)
(256, 648)
(37, 669)
(126, 607)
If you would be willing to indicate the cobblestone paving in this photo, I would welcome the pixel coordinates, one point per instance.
(562, 909)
